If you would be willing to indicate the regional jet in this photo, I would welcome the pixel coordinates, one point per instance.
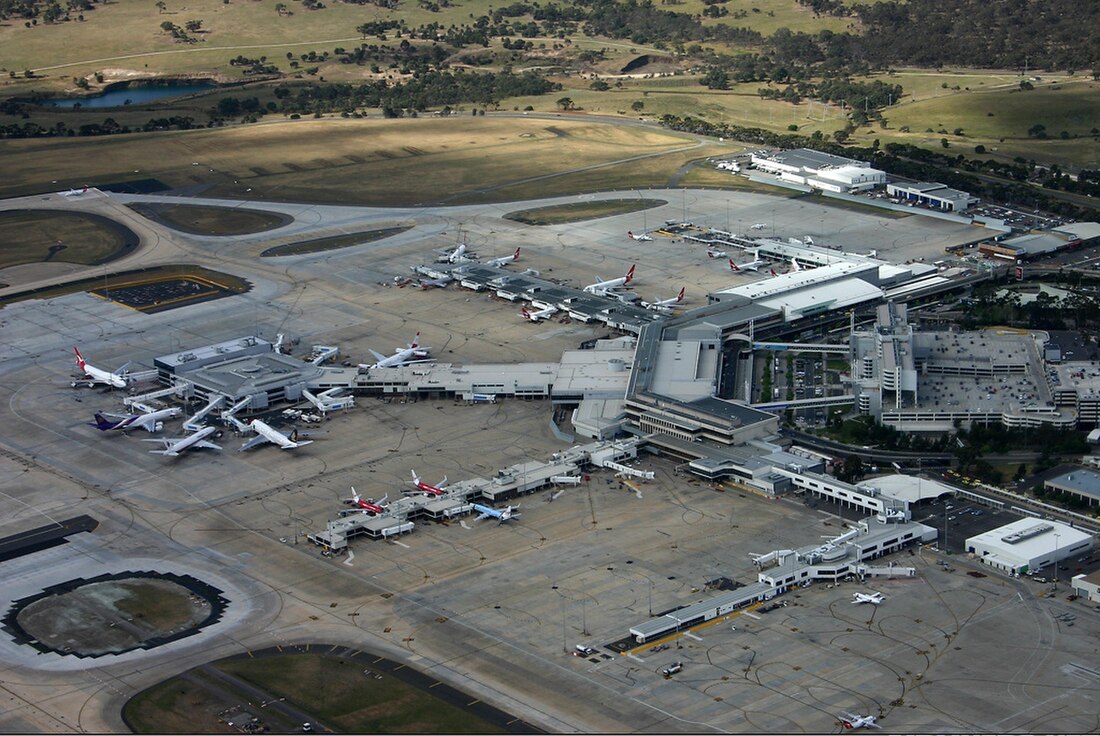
(759, 226)
(716, 253)
(411, 353)
(853, 721)
(664, 304)
(751, 266)
(94, 376)
(75, 192)
(368, 505)
(426, 487)
(266, 433)
(602, 287)
(151, 422)
(501, 515)
(173, 447)
(639, 236)
(503, 260)
(873, 598)
(538, 315)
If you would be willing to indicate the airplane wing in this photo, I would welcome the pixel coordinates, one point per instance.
(481, 516)
(377, 356)
(208, 445)
(299, 443)
(163, 441)
(254, 442)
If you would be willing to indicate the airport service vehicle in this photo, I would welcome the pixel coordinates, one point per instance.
(580, 650)
(853, 721)
(602, 287)
(639, 236)
(96, 376)
(538, 315)
(503, 260)
(369, 505)
(426, 487)
(175, 446)
(266, 433)
(150, 422)
(750, 266)
(873, 598)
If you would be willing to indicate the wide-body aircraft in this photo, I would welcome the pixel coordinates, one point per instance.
(150, 422)
(197, 441)
(266, 433)
(96, 376)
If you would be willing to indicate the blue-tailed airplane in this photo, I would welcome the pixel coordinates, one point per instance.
(150, 422)
(501, 515)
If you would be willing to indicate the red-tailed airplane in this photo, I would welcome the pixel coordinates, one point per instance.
(503, 260)
(638, 236)
(368, 505)
(853, 721)
(94, 376)
(601, 287)
(751, 266)
(428, 488)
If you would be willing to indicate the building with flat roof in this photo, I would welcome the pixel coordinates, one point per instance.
(820, 170)
(1088, 586)
(1028, 545)
(1084, 484)
(932, 194)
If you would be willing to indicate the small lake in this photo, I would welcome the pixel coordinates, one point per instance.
(133, 95)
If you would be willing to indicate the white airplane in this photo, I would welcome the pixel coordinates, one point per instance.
(873, 598)
(435, 283)
(853, 721)
(639, 236)
(759, 226)
(601, 286)
(795, 265)
(151, 422)
(173, 447)
(662, 304)
(75, 192)
(501, 515)
(503, 260)
(455, 256)
(717, 253)
(751, 266)
(266, 433)
(539, 315)
(94, 376)
(401, 356)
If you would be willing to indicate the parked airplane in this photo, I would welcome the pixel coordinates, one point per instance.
(853, 721)
(435, 283)
(95, 376)
(639, 236)
(75, 192)
(759, 226)
(501, 515)
(873, 598)
(368, 505)
(751, 266)
(503, 260)
(412, 353)
(665, 303)
(601, 286)
(151, 422)
(539, 315)
(266, 433)
(717, 253)
(173, 447)
(455, 256)
(427, 488)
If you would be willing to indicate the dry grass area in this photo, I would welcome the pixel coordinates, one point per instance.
(579, 211)
(201, 220)
(33, 237)
(376, 161)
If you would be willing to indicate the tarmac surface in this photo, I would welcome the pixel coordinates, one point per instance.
(491, 610)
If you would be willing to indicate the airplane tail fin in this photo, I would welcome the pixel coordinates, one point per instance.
(416, 341)
(525, 313)
(774, 273)
(629, 275)
(354, 495)
(79, 358)
(416, 478)
(680, 296)
(515, 256)
(101, 422)
(294, 436)
(629, 234)
(733, 266)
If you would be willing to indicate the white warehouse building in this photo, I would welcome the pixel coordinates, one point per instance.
(820, 170)
(1028, 545)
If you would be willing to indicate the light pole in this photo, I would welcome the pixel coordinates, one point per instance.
(1054, 585)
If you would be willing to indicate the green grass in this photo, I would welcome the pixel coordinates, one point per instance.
(174, 706)
(34, 237)
(339, 694)
(204, 220)
(335, 242)
(579, 211)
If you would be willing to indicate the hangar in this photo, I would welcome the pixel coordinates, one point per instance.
(1028, 545)
(932, 194)
(820, 170)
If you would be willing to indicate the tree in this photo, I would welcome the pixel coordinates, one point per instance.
(193, 25)
(637, 105)
(566, 103)
(161, 7)
(280, 8)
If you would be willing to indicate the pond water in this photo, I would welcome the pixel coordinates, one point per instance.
(135, 94)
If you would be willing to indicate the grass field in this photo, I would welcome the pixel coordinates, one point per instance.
(336, 242)
(340, 694)
(579, 211)
(33, 237)
(177, 706)
(342, 161)
(202, 220)
(164, 609)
